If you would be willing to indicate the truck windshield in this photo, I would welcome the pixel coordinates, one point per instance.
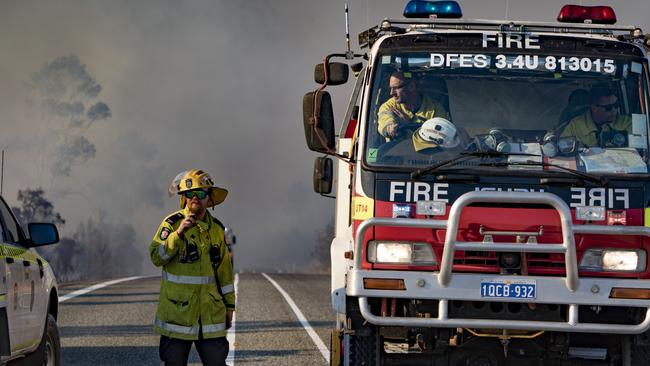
(585, 110)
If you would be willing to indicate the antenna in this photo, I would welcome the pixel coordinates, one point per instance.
(348, 54)
(507, 6)
(2, 172)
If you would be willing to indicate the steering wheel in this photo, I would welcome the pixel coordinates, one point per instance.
(409, 127)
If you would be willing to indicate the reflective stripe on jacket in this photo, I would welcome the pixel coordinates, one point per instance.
(191, 298)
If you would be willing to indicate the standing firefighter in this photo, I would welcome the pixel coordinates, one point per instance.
(197, 294)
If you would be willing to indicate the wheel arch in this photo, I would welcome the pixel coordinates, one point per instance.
(53, 307)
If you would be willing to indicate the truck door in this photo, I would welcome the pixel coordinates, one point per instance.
(21, 273)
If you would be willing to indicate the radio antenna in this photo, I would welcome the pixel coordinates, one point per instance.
(2, 172)
(348, 54)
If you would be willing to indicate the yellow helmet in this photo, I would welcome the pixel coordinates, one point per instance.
(197, 179)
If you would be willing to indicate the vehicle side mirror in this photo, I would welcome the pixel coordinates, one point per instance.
(319, 138)
(42, 234)
(337, 73)
(323, 175)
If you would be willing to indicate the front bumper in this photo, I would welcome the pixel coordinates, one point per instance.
(446, 286)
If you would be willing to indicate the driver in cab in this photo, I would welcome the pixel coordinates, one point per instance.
(601, 124)
(406, 106)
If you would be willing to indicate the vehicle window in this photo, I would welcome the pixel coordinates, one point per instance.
(582, 111)
(11, 230)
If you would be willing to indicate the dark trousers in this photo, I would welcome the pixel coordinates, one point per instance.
(175, 352)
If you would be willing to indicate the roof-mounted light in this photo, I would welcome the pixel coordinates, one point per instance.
(587, 14)
(432, 9)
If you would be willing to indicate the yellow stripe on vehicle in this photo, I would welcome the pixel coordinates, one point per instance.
(646, 218)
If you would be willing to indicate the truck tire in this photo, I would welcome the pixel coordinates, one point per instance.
(640, 353)
(48, 352)
(364, 342)
(364, 349)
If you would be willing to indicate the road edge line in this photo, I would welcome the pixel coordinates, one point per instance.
(305, 324)
(96, 286)
(230, 359)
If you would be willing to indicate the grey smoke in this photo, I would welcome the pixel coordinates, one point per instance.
(67, 94)
(73, 153)
(98, 111)
(209, 84)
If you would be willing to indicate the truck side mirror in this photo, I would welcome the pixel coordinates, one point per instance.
(323, 175)
(337, 73)
(319, 137)
(42, 234)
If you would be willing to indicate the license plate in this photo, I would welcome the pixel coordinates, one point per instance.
(509, 288)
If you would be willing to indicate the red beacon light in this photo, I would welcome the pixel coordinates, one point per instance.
(587, 14)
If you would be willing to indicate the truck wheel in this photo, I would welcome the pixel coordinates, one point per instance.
(640, 355)
(364, 347)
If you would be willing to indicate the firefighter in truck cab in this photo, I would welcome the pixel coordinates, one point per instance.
(197, 293)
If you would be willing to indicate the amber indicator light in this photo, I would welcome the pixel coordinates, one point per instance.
(383, 284)
(630, 293)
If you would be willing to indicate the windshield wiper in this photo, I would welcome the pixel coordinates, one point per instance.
(591, 177)
(463, 157)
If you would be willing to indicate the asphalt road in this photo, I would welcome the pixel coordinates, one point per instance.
(112, 325)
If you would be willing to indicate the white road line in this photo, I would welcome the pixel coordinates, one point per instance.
(86, 290)
(230, 360)
(305, 324)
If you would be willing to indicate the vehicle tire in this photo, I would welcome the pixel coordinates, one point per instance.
(640, 350)
(365, 342)
(364, 348)
(51, 343)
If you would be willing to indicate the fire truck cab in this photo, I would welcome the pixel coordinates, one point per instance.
(493, 193)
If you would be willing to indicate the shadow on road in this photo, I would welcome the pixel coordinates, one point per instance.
(106, 330)
(261, 326)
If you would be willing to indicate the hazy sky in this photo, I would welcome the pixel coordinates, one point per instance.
(212, 84)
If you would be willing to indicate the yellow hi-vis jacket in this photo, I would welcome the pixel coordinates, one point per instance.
(429, 108)
(584, 128)
(191, 298)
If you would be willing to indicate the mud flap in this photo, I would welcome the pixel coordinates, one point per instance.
(335, 347)
(5, 346)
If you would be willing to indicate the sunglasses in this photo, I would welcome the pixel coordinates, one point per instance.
(608, 107)
(200, 194)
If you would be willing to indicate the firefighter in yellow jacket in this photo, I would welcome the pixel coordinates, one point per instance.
(197, 294)
(601, 125)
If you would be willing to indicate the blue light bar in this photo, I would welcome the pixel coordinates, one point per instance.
(438, 9)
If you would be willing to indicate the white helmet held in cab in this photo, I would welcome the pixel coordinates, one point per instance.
(436, 132)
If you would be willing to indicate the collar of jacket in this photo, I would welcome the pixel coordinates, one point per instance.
(204, 225)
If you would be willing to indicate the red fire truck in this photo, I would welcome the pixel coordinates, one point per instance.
(493, 193)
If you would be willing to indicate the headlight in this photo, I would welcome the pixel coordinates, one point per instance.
(613, 260)
(400, 253)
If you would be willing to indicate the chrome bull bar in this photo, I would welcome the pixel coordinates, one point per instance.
(445, 286)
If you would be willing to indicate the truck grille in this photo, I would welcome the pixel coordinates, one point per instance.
(489, 259)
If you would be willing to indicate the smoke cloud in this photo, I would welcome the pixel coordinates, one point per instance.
(65, 93)
(105, 102)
